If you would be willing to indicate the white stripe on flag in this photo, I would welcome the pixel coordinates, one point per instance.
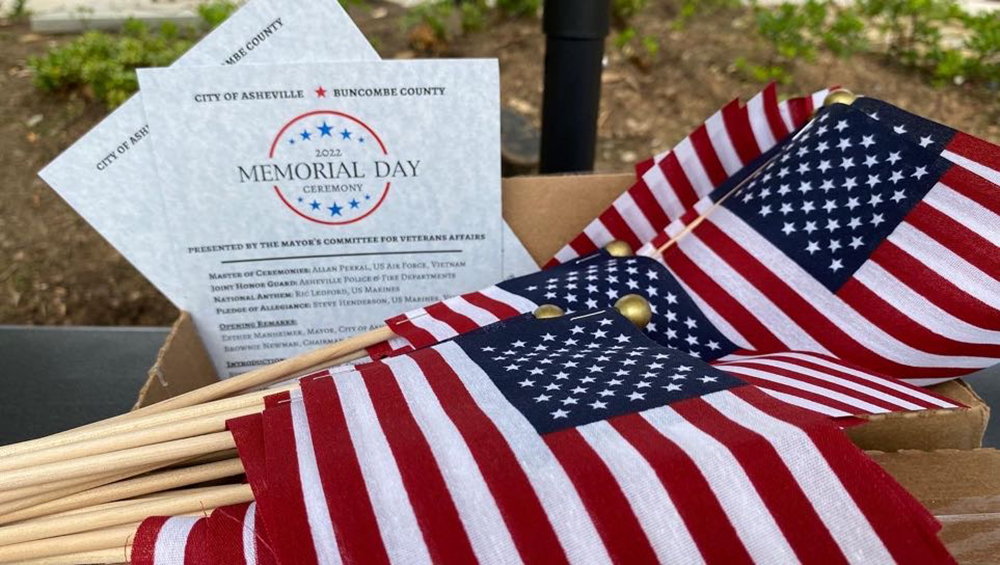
(722, 144)
(517, 302)
(758, 123)
(397, 522)
(803, 402)
(840, 514)
(477, 509)
(962, 209)
(555, 491)
(567, 253)
(807, 387)
(649, 500)
(987, 173)
(741, 502)
(317, 511)
(439, 330)
(922, 311)
(475, 313)
(828, 304)
(815, 359)
(734, 284)
(663, 192)
(786, 115)
(941, 259)
(693, 168)
(172, 539)
(819, 97)
(634, 217)
(849, 384)
(597, 233)
(250, 535)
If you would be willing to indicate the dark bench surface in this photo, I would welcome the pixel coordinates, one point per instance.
(56, 378)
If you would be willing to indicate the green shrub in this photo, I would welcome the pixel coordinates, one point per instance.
(215, 12)
(520, 8)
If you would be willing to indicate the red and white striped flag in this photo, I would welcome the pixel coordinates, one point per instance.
(670, 184)
(230, 535)
(677, 321)
(569, 440)
(858, 244)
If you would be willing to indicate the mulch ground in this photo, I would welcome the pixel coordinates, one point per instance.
(55, 269)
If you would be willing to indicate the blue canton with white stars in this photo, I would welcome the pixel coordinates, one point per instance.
(836, 191)
(930, 135)
(599, 280)
(573, 370)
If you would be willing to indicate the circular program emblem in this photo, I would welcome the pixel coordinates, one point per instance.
(323, 167)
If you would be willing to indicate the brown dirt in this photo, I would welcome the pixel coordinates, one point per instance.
(55, 269)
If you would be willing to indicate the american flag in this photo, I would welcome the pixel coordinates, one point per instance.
(858, 244)
(230, 535)
(574, 439)
(671, 183)
(977, 155)
(822, 384)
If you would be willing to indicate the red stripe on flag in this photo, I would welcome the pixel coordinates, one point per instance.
(975, 149)
(283, 500)
(648, 205)
(433, 506)
(935, 287)
(722, 302)
(803, 378)
(773, 114)
(777, 487)
(196, 549)
(458, 322)
(583, 245)
(495, 307)
(883, 506)
(706, 154)
(791, 390)
(973, 186)
(678, 180)
(619, 228)
(610, 510)
(529, 526)
(344, 485)
(874, 384)
(406, 329)
(967, 244)
(144, 542)
(642, 166)
(900, 326)
(688, 489)
(803, 313)
(738, 125)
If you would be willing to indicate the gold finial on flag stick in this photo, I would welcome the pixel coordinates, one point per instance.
(840, 96)
(619, 248)
(548, 311)
(636, 309)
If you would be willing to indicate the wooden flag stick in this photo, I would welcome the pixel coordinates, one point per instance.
(157, 454)
(180, 503)
(115, 537)
(111, 429)
(156, 415)
(110, 556)
(176, 430)
(131, 488)
(349, 348)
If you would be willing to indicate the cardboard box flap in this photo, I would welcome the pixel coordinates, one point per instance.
(962, 490)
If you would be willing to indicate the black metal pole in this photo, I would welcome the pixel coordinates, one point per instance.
(574, 49)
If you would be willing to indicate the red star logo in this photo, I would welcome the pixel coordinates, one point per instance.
(321, 92)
